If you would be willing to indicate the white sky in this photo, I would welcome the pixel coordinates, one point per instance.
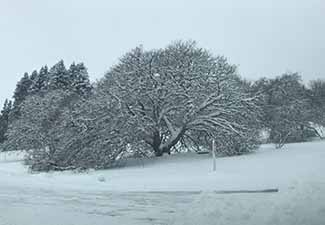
(264, 38)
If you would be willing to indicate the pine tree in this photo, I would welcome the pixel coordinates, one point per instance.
(59, 77)
(33, 76)
(79, 79)
(40, 83)
(4, 119)
(20, 94)
(22, 89)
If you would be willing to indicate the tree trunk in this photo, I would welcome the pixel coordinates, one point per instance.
(302, 136)
(159, 151)
(156, 143)
(159, 148)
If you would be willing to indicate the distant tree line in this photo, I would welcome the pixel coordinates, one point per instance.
(150, 103)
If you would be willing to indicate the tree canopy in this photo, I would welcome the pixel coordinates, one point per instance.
(168, 94)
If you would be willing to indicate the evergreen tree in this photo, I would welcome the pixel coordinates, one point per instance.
(33, 76)
(4, 119)
(79, 79)
(40, 83)
(59, 77)
(20, 94)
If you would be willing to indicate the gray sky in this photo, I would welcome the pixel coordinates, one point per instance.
(264, 38)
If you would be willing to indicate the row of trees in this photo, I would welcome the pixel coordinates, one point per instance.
(150, 103)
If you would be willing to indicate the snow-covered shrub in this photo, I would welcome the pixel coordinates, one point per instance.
(238, 145)
(40, 127)
(228, 144)
(63, 132)
(76, 140)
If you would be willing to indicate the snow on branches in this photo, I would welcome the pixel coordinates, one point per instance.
(168, 93)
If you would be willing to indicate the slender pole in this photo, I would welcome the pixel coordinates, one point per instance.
(214, 154)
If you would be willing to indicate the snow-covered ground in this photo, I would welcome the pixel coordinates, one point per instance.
(172, 190)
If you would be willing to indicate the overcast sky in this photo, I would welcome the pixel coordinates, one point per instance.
(264, 38)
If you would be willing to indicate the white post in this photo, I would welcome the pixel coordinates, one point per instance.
(214, 154)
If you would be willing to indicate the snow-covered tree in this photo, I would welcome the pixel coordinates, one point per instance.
(41, 127)
(40, 83)
(79, 79)
(286, 108)
(33, 76)
(100, 137)
(53, 129)
(4, 119)
(59, 77)
(150, 102)
(167, 94)
(317, 98)
(20, 94)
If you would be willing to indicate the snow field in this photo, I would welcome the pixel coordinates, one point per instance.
(174, 190)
